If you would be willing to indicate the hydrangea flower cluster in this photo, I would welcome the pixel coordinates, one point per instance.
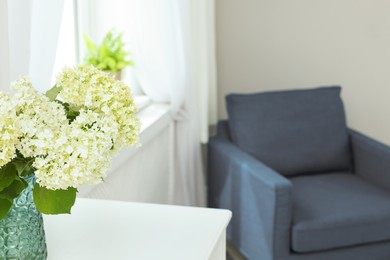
(89, 87)
(69, 139)
(9, 129)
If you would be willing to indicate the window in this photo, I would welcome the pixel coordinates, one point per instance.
(94, 18)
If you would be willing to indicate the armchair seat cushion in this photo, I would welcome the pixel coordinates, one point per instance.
(338, 210)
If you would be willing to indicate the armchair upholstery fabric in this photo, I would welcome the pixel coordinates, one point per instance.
(265, 202)
(371, 159)
(337, 215)
(294, 132)
(337, 210)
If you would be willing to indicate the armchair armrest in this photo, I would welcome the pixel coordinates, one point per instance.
(371, 159)
(259, 198)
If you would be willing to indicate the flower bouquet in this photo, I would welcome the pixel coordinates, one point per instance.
(65, 138)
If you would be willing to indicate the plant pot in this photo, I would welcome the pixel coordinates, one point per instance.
(22, 234)
(117, 75)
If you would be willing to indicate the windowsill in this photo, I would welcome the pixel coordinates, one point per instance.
(154, 117)
(142, 101)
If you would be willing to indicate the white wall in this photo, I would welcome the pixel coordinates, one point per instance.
(267, 45)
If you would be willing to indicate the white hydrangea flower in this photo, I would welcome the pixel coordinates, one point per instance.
(83, 156)
(40, 120)
(69, 152)
(86, 86)
(9, 129)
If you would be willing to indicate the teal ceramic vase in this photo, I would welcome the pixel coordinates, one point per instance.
(22, 234)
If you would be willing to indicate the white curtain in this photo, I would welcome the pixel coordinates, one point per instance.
(4, 58)
(175, 63)
(29, 40)
(204, 53)
(45, 26)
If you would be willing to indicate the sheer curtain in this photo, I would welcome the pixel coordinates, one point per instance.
(29, 40)
(174, 54)
(45, 26)
(4, 60)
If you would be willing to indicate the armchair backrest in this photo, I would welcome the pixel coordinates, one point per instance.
(294, 132)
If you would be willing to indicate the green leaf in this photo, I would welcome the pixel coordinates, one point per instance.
(104, 52)
(54, 201)
(8, 173)
(53, 92)
(111, 64)
(71, 111)
(110, 54)
(23, 168)
(71, 115)
(20, 166)
(5, 206)
(89, 43)
(12, 191)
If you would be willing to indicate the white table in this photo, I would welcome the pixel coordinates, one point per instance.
(116, 230)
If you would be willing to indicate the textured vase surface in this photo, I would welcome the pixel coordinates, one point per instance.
(22, 234)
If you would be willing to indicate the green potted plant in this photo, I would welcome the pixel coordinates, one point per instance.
(110, 55)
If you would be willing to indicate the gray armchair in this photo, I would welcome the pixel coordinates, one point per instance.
(299, 183)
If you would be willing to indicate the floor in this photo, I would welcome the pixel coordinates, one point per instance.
(232, 253)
